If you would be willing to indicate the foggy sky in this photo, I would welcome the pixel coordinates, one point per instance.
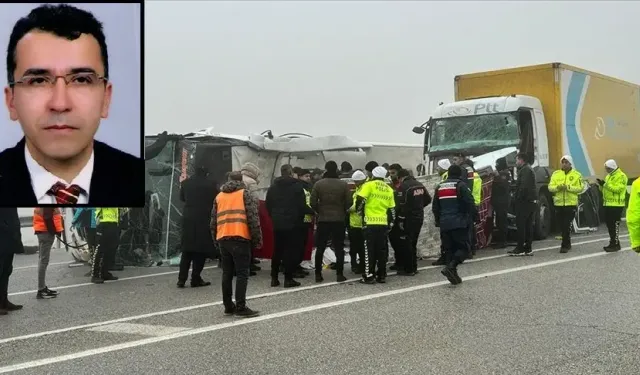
(368, 70)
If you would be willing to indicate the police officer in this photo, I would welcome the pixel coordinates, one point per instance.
(108, 230)
(469, 178)
(375, 203)
(525, 205)
(500, 197)
(443, 171)
(614, 196)
(565, 185)
(411, 199)
(356, 235)
(443, 168)
(452, 210)
(633, 216)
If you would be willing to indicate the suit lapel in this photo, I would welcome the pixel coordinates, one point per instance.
(19, 181)
(100, 180)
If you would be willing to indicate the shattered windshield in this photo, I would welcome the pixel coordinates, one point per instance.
(486, 130)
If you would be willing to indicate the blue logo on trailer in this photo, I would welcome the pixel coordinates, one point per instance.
(576, 84)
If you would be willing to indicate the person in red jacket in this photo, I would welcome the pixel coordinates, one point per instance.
(47, 224)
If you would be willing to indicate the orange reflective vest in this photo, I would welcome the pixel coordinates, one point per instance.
(232, 217)
(39, 225)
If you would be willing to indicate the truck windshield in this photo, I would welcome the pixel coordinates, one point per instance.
(487, 130)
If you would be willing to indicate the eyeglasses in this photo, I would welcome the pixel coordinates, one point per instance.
(46, 82)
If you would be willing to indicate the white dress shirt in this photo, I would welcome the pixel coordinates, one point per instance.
(42, 180)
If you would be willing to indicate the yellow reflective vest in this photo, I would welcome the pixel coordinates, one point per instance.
(573, 182)
(633, 216)
(107, 215)
(445, 175)
(355, 219)
(308, 218)
(614, 190)
(477, 189)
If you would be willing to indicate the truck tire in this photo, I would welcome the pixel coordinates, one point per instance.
(542, 220)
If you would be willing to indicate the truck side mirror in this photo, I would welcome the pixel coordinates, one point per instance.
(418, 129)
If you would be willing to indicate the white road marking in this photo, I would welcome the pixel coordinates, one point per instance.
(120, 279)
(253, 297)
(240, 322)
(36, 266)
(139, 329)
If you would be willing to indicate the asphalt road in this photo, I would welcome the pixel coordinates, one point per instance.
(552, 313)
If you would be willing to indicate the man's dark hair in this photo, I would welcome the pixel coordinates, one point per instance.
(331, 166)
(523, 156)
(395, 167)
(501, 164)
(302, 171)
(286, 170)
(235, 176)
(346, 167)
(454, 171)
(370, 166)
(385, 166)
(403, 172)
(297, 170)
(460, 155)
(62, 20)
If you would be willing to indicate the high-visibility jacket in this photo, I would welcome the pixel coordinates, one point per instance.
(39, 224)
(477, 189)
(444, 176)
(308, 218)
(355, 219)
(232, 216)
(107, 215)
(569, 196)
(614, 190)
(633, 215)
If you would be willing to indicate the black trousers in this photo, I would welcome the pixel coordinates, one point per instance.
(456, 246)
(565, 216)
(502, 228)
(612, 217)
(356, 248)
(334, 231)
(235, 256)
(108, 238)
(525, 213)
(412, 229)
(6, 268)
(287, 244)
(376, 251)
(188, 258)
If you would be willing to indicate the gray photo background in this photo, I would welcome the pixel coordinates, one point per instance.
(121, 23)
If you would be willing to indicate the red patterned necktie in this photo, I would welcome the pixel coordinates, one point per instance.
(64, 194)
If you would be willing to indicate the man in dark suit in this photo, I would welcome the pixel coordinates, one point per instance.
(59, 90)
(11, 244)
(198, 193)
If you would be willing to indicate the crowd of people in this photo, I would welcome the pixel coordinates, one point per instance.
(383, 207)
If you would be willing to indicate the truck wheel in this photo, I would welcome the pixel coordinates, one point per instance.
(542, 221)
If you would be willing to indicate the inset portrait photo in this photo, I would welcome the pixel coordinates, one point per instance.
(71, 128)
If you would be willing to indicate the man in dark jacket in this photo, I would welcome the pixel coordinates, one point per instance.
(452, 210)
(198, 194)
(286, 204)
(331, 199)
(411, 198)
(526, 203)
(11, 244)
(500, 197)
